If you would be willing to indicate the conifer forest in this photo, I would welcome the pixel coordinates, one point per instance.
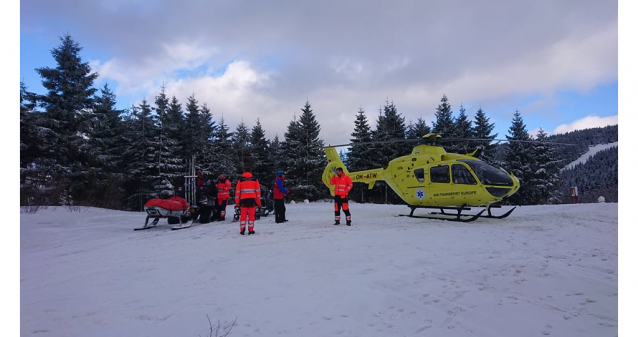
(78, 149)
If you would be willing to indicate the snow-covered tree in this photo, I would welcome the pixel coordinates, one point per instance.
(140, 156)
(545, 180)
(68, 107)
(390, 135)
(483, 130)
(462, 129)
(261, 152)
(242, 149)
(360, 157)
(304, 153)
(444, 121)
(103, 184)
(518, 160)
(222, 154)
(418, 129)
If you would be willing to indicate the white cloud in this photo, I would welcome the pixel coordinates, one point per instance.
(142, 75)
(586, 123)
(260, 60)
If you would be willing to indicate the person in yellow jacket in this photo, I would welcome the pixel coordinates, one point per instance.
(248, 197)
(343, 185)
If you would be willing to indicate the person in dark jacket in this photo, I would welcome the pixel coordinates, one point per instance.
(278, 194)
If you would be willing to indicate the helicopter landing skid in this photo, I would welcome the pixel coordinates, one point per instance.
(489, 213)
(458, 216)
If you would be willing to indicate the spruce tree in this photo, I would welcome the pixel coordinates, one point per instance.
(261, 152)
(444, 122)
(462, 129)
(483, 130)
(278, 155)
(518, 160)
(545, 180)
(390, 135)
(174, 126)
(222, 152)
(168, 153)
(198, 137)
(104, 184)
(35, 183)
(290, 149)
(360, 157)
(242, 149)
(140, 156)
(68, 105)
(304, 149)
(418, 130)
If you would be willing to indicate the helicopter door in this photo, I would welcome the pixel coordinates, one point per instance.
(452, 184)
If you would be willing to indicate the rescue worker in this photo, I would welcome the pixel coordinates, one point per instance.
(343, 185)
(278, 193)
(248, 197)
(223, 193)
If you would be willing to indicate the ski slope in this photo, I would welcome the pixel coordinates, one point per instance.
(543, 271)
(592, 151)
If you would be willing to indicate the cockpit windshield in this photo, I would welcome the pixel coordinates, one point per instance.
(489, 175)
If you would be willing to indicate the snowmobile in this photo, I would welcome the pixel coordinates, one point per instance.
(174, 209)
(206, 198)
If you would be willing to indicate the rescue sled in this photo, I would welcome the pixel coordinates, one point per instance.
(174, 209)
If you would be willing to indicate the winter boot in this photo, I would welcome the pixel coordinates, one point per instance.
(242, 231)
(336, 222)
(251, 232)
(348, 222)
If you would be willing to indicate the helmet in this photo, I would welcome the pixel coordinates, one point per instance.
(247, 175)
(280, 173)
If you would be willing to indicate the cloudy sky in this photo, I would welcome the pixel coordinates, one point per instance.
(555, 61)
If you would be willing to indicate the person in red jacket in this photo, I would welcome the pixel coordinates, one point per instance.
(278, 194)
(223, 193)
(343, 185)
(201, 178)
(248, 197)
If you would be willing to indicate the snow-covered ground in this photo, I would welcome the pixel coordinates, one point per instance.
(543, 271)
(592, 151)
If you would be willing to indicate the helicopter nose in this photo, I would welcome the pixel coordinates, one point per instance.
(505, 191)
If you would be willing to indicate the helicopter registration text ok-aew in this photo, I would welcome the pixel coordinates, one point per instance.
(430, 177)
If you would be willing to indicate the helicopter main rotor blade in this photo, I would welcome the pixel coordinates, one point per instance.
(379, 142)
(503, 140)
(433, 139)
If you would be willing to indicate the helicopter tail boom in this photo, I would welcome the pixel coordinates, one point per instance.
(334, 161)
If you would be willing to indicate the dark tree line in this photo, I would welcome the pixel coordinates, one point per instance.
(77, 148)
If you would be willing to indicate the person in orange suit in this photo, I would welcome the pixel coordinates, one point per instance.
(343, 185)
(223, 193)
(247, 197)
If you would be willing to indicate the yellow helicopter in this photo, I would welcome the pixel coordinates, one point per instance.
(430, 177)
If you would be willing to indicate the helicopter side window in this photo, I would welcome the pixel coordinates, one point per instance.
(419, 174)
(461, 175)
(440, 174)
